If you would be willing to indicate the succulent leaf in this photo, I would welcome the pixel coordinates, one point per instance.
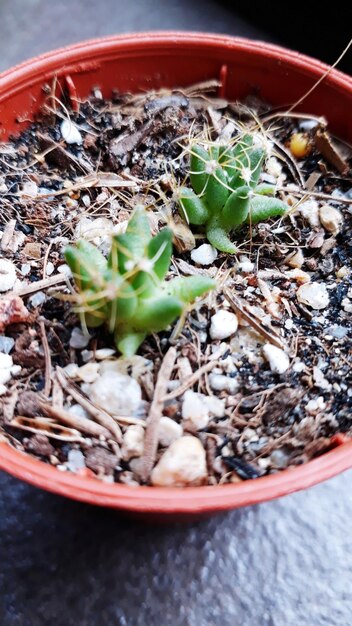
(217, 235)
(160, 251)
(193, 208)
(129, 343)
(198, 175)
(263, 207)
(236, 208)
(265, 189)
(157, 314)
(189, 288)
(217, 190)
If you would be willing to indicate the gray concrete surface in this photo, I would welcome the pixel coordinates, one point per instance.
(284, 563)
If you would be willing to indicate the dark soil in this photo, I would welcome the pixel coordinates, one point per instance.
(134, 151)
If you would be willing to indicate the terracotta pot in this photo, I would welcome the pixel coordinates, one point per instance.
(144, 61)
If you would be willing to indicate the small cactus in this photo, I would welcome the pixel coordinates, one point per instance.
(225, 192)
(128, 291)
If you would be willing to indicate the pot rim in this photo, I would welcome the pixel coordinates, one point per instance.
(144, 499)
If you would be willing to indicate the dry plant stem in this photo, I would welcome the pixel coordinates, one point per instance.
(47, 357)
(82, 424)
(189, 382)
(151, 434)
(315, 194)
(40, 285)
(241, 310)
(57, 394)
(46, 257)
(99, 415)
(45, 426)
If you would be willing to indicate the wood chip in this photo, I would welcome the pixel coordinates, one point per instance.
(324, 144)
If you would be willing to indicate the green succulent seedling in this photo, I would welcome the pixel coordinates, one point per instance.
(128, 291)
(225, 193)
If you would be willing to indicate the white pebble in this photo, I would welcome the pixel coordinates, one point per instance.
(216, 406)
(5, 376)
(6, 344)
(29, 188)
(245, 265)
(88, 373)
(308, 124)
(320, 380)
(346, 305)
(314, 406)
(330, 218)
(87, 355)
(117, 393)
(104, 353)
(168, 431)
(86, 200)
(5, 361)
(37, 299)
(50, 268)
(96, 231)
(296, 259)
(195, 410)
(310, 212)
(75, 460)
(314, 295)
(183, 464)
(71, 370)
(7, 275)
(298, 367)
(6, 365)
(277, 358)
(65, 270)
(204, 254)
(133, 442)
(25, 269)
(78, 339)
(220, 382)
(223, 324)
(70, 132)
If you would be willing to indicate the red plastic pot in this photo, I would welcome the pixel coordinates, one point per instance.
(144, 61)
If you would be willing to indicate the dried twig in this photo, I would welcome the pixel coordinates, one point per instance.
(47, 357)
(44, 426)
(151, 435)
(241, 309)
(101, 416)
(40, 285)
(189, 382)
(82, 424)
(316, 194)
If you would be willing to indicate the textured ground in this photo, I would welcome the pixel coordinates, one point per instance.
(284, 563)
